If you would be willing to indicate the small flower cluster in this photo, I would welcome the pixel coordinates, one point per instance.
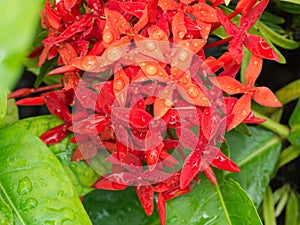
(139, 79)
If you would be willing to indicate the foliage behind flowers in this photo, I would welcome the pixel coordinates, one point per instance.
(140, 100)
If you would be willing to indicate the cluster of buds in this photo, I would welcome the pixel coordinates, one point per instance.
(139, 89)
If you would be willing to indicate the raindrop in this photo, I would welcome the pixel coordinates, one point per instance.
(29, 204)
(114, 54)
(193, 91)
(108, 37)
(181, 34)
(158, 35)
(119, 84)
(150, 46)
(24, 186)
(151, 69)
(244, 112)
(183, 56)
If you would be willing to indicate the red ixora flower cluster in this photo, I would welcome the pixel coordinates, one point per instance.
(138, 107)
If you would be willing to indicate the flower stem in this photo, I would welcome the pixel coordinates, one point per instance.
(280, 129)
(217, 43)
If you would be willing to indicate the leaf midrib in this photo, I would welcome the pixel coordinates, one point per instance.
(11, 204)
(264, 146)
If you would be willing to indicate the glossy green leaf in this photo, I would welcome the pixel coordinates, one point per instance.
(207, 204)
(45, 69)
(268, 208)
(12, 113)
(278, 193)
(257, 156)
(117, 207)
(282, 203)
(272, 18)
(292, 216)
(294, 123)
(34, 184)
(17, 29)
(6, 216)
(81, 175)
(276, 38)
(295, 117)
(289, 92)
(290, 7)
(286, 156)
(3, 104)
(291, 1)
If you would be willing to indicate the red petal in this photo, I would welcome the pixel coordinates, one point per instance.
(70, 3)
(134, 8)
(235, 47)
(161, 205)
(193, 94)
(163, 102)
(31, 101)
(55, 134)
(110, 183)
(210, 175)
(203, 12)
(224, 163)
(258, 46)
(121, 81)
(252, 16)
(253, 70)
(146, 196)
(228, 84)
(245, 6)
(178, 27)
(230, 28)
(190, 168)
(264, 96)
(240, 111)
(168, 4)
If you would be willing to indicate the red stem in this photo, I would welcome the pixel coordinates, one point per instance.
(217, 43)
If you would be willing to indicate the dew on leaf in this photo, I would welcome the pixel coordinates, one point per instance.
(24, 186)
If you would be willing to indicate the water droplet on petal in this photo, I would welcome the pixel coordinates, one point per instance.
(114, 54)
(168, 102)
(150, 46)
(119, 84)
(183, 56)
(108, 37)
(151, 69)
(244, 112)
(193, 91)
(181, 34)
(158, 35)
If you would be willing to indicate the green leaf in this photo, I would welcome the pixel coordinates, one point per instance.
(294, 122)
(3, 104)
(272, 18)
(225, 204)
(291, 1)
(268, 208)
(289, 92)
(286, 156)
(117, 207)
(45, 69)
(276, 38)
(282, 203)
(19, 19)
(81, 175)
(6, 216)
(12, 113)
(256, 156)
(292, 210)
(295, 117)
(33, 182)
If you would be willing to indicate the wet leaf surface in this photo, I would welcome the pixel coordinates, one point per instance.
(33, 182)
(257, 156)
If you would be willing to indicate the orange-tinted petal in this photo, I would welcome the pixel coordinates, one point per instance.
(228, 84)
(264, 96)
(253, 70)
(240, 111)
